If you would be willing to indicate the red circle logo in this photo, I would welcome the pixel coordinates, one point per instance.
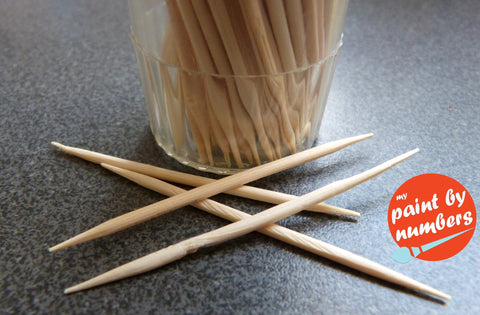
(431, 217)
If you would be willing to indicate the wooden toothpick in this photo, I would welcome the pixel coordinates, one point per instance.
(146, 213)
(263, 219)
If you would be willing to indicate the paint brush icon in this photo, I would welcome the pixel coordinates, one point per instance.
(405, 254)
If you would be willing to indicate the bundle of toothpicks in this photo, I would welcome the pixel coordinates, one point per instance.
(251, 80)
(152, 177)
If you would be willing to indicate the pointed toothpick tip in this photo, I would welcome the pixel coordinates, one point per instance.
(439, 294)
(355, 214)
(410, 153)
(360, 137)
(445, 296)
(69, 290)
(405, 155)
(65, 244)
(58, 145)
(76, 288)
(366, 135)
(54, 248)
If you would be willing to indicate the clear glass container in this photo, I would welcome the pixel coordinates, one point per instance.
(230, 84)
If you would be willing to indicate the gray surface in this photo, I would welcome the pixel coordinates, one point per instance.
(408, 72)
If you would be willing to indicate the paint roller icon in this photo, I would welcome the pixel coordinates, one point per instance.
(404, 255)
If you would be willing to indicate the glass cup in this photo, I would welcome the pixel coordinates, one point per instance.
(231, 84)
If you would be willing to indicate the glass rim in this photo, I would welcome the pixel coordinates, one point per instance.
(333, 53)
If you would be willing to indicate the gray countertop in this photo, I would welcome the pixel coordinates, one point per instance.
(408, 72)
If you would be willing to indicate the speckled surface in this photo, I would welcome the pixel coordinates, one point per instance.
(408, 72)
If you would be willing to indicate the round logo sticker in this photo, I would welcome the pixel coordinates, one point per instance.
(431, 217)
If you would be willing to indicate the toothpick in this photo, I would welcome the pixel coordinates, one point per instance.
(175, 108)
(249, 192)
(279, 23)
(295, 16)
(164, 206)
(334, 18)
(295, 90)
(281, 233)
(311, 30)
(263, 219)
